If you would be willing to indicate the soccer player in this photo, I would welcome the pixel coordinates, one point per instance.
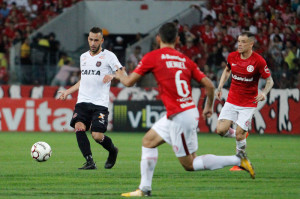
(91, 110)
(173, 72)
(245, 67)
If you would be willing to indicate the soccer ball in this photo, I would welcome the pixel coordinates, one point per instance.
(41, 151)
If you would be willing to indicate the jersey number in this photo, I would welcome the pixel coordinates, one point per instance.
(181, 85)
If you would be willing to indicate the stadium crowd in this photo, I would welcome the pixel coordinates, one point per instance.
(18, 19)
(276, 24)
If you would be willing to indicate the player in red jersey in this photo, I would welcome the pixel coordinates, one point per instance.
(245, 67)
(173, 72)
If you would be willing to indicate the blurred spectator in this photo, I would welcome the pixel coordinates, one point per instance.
(62, 58)
(74, 78)
(25, 52)
(290, 56)
(4, 11)
(3, 75)
(54, 46)
(215, 59)
(26, 67)
(119, 49)
(275, 49)
(206, 10)
(234, 30)
(190, 50)
(64, 73)
(136, 56)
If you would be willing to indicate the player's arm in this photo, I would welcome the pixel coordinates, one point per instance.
(262, 96)
(72, 89)
(128, 81)
(224, 77)
(209, 88)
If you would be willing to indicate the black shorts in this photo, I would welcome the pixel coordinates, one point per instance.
(93, 116)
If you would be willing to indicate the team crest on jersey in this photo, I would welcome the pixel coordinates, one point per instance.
(250, 68)
(267, 69)
(98, 64)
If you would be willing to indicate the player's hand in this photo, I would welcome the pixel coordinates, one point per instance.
(120, 73)
(63, 94)
(260, 97)
(207, 113)
(218, 94)
(107, 78)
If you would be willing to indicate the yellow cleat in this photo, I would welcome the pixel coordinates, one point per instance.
(246, 165)
(137, 193)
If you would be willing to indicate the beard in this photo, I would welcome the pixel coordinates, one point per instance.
(95, 50)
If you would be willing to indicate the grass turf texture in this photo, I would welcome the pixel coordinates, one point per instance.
(276, 160)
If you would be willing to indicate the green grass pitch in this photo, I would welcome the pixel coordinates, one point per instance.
(276, 160)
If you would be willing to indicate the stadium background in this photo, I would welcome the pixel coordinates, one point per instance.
(56, 34)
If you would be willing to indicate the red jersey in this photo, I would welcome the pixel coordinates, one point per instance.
(173, 72)
(245, 74)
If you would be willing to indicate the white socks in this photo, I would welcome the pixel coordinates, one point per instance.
(148, 163)
(241, 145)
(230, 133)
(212, 162)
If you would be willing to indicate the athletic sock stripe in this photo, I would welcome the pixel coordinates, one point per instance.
(184, 144)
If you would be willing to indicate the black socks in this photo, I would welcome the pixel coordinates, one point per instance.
(84, 144)
(107, 144)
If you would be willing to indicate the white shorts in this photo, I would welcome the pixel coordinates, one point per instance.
(242, 116)
(180, 132)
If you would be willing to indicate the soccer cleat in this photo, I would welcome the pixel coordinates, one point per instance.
(89, 165)
(111, 160)
(247, 134)
(137, 193)
(246, 164)
(236, 168)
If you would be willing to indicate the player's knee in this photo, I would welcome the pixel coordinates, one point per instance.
(79, 126)
(188, 167)
(220, 131)
(146, 143)
(97, 136)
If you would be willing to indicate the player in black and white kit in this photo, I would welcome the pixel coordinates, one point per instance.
(91, 111)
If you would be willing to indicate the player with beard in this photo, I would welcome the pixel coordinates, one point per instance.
(246, 68)
(91, 111)
(173, 72)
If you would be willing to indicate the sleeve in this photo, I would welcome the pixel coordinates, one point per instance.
(113, 62)
(197, 74)
(263, 69)
(145, 65)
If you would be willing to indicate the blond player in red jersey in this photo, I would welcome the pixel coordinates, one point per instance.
(173, 72)
(245, 67)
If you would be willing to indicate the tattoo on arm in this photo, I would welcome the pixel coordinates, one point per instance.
(268, 86)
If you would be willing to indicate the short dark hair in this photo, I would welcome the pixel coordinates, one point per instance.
(96, 30)
(250, 35)
(168, 33)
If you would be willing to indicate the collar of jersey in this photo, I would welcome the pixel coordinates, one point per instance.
(102, 50)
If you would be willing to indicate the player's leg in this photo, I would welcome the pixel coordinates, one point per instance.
(80, 121)
(227, 116)
(107, 144)
(150, 142)
(243, 123)
(98, 128)
(213, 162)
(84, 145)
